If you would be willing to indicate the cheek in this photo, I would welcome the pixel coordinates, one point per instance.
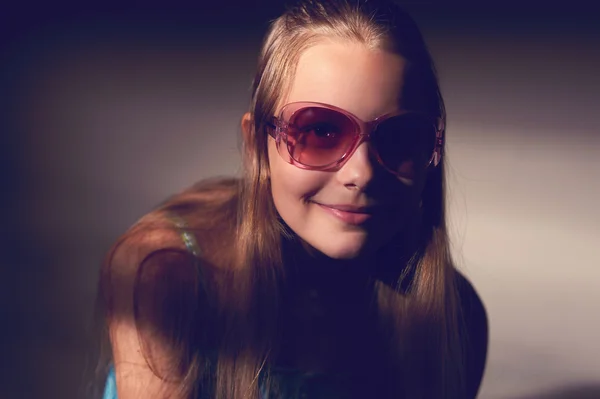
(411, 181)
(292, 186)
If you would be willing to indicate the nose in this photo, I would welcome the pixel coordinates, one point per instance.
(357, 171)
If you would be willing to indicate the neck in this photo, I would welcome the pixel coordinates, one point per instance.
(306, 265)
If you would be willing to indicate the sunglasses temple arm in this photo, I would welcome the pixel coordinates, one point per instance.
(272, 128)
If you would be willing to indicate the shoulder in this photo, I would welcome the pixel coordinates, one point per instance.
(149, 282)
(177, 233)
(203, 215)
(156, 278)
(475, 333)
(196, 215)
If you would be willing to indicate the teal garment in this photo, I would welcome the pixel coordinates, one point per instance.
(110, 388)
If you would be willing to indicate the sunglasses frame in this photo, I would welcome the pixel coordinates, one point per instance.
(363, 132)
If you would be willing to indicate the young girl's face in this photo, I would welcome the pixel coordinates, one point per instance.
(367, 83)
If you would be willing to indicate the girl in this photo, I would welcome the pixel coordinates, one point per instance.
(324, 272)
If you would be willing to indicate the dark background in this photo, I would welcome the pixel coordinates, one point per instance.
(108, 108)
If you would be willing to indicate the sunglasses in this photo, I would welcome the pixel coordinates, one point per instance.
(318, 136)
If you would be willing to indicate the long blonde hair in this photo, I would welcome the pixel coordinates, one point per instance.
(421, 320)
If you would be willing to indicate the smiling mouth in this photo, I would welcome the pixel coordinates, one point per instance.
(348, 213)
(350, 208)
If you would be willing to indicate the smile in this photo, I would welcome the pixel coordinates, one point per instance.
(348, 214)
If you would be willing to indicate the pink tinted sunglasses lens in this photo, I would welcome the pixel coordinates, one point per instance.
(319, 136)
(405, 138)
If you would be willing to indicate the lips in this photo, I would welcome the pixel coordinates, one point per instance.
(350, 208)
(350, 214)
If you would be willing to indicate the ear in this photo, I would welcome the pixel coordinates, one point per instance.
(246, 127)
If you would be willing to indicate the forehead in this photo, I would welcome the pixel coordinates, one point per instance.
(366, 82)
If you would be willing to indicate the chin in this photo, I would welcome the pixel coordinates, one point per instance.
(341, 251)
